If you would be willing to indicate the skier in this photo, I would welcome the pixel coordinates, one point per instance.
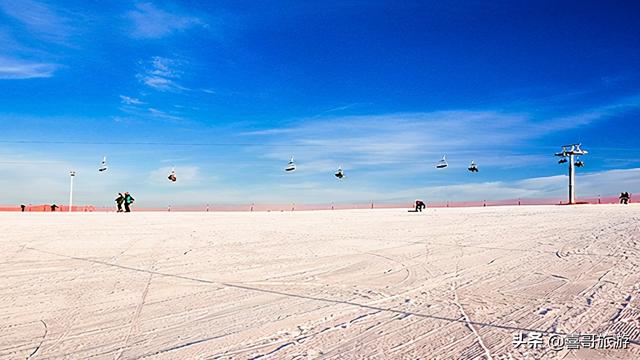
(420, 205)
(128, 200)
(119, 201)
(624, 198)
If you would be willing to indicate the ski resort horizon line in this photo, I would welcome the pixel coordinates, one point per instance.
(594, 200)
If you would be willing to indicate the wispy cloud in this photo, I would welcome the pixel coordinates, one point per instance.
(148, 113)
(589, 116)
(603, 183)
(163, 115)
(40, 19)
(270, 132)
(389, 138)
(127, 100)
(490, 137)
(34, 30)
(163, 67)
(11, 69)
(162, 74)
(150, 22)
(342, 108)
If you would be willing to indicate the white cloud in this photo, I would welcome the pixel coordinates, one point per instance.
(163, 115)
(588, 116)
(150, 22)
(20, 69)
(162, 75)
(270, 132)
(163, 67)
(146, 113)
(29, 25)
(394, 138)
(159, 83)
(40, 19)
(488, 137)
(130, 100)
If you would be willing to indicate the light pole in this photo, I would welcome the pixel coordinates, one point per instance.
(72, 174)
(570, 151)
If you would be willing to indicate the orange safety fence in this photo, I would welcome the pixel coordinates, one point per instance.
(307, 207)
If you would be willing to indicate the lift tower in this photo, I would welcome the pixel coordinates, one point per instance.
(72, 174)
(570, 152)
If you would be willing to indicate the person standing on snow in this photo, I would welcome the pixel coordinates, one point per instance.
(119, 201)
(128, 200)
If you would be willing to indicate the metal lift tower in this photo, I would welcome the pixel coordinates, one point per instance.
(72, 174)
(570, 151)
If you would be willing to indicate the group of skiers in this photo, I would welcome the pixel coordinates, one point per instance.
(124, 199)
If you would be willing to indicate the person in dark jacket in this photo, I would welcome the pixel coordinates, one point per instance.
(22, 207)
(54, 207)
(128, 200)
(119, 201)
(420, 205)
(624, 198)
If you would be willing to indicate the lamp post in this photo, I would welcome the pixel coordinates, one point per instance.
(570, 151)
(72, 174)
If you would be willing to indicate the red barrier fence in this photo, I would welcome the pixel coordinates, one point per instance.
(306, 207)
(585, 200)
(48, 208)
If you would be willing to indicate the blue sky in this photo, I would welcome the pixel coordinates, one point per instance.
(227, 91)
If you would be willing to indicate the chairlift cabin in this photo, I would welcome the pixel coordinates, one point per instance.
(339, 174)
(442, 163)
(103, 165)
(578, 163)
(473, 167)
(291, 166)
(172, 176)
(562, 161)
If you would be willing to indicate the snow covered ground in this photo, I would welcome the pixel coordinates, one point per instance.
(445, 283)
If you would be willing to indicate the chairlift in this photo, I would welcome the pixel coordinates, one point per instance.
(562, 161)
(442, 163)
(473, 167)
(172, 176)
(339, 174)
(291, 166)
(103, 165)
(578, 163)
